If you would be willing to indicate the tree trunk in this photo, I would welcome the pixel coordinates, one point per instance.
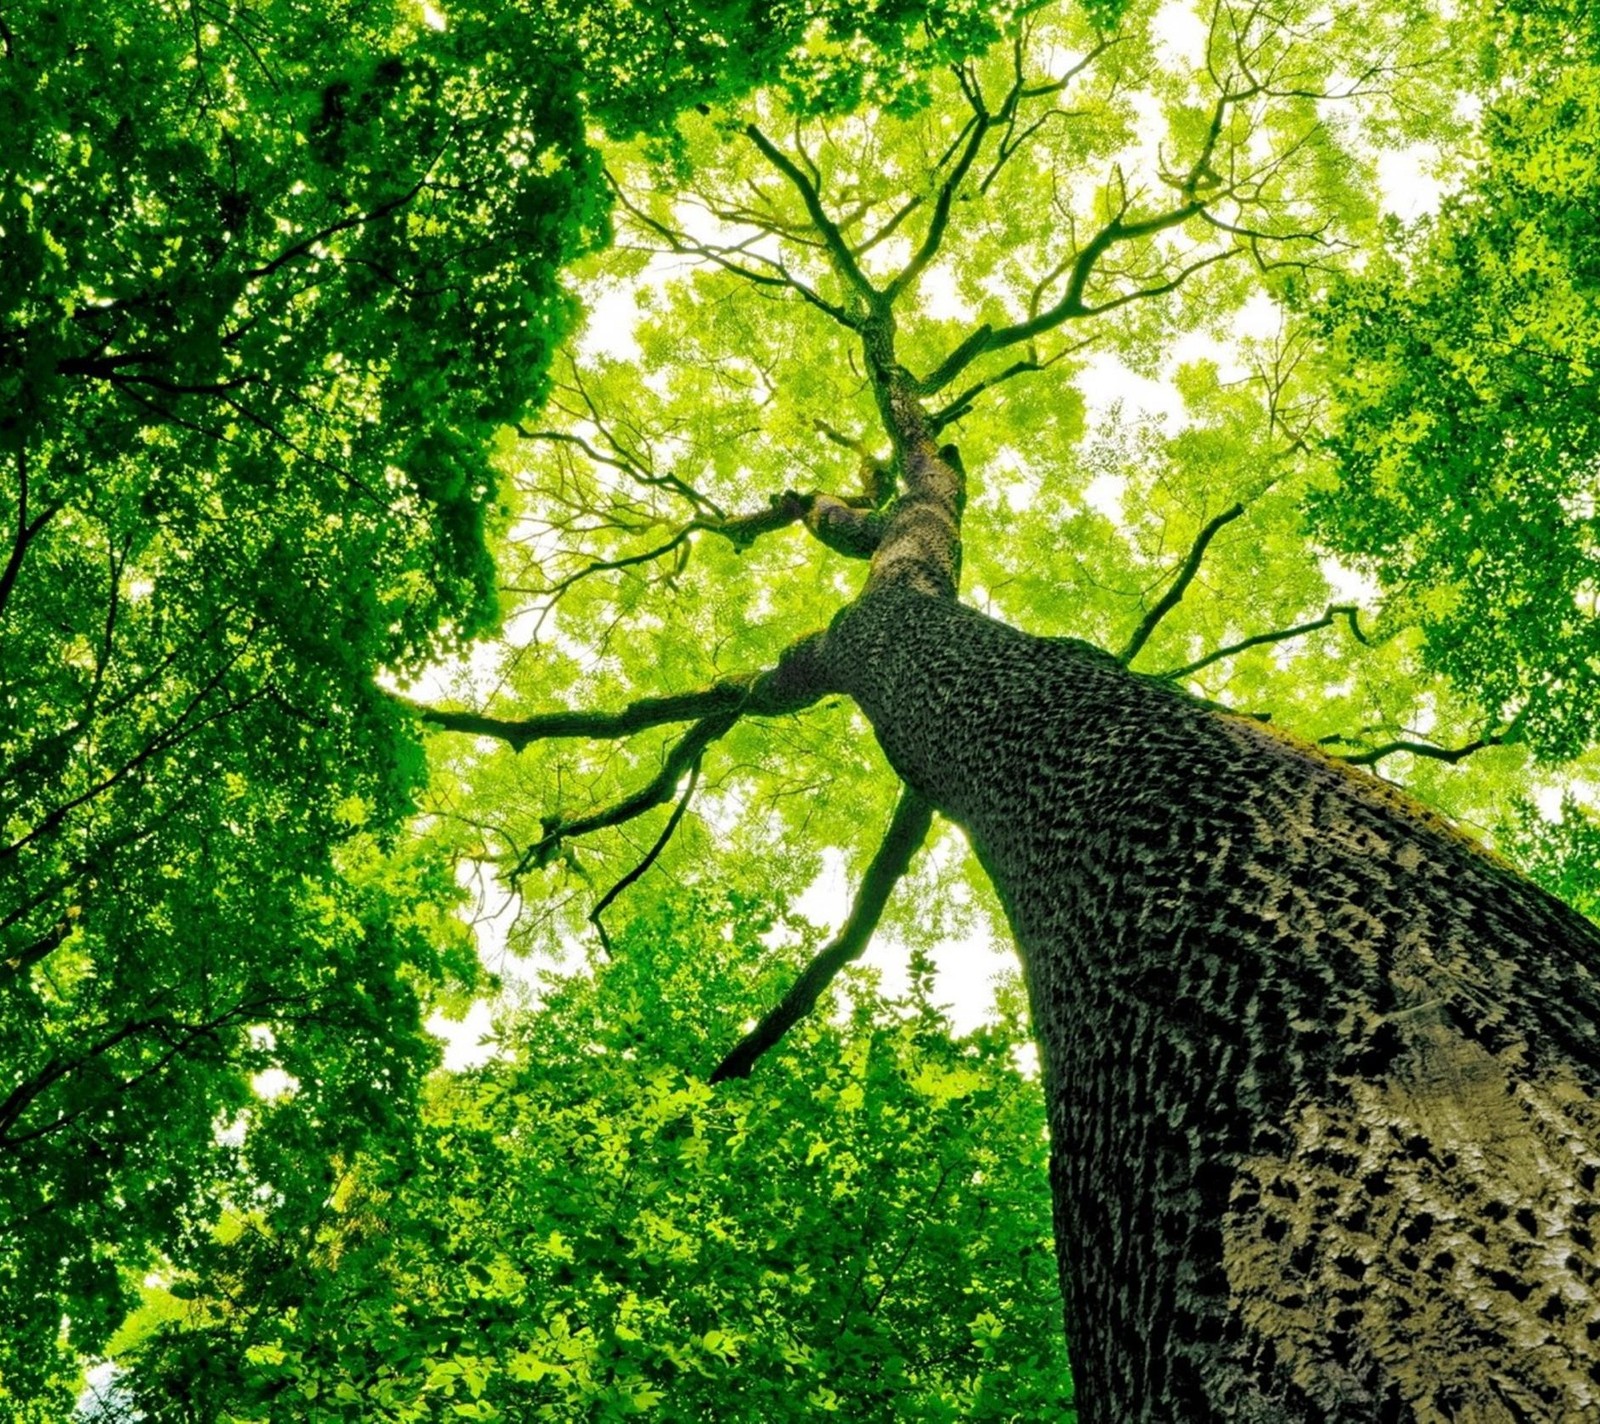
(1322, 1076)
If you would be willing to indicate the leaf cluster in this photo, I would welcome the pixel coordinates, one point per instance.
(590, 1231)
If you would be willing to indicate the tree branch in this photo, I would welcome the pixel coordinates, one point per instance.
(684, 246)
(939, 219)
(43, 947)
(382, 211)
(720, 698)
(962, 404)
(793, 684)
(27, 531)
(888, 230)
(172, 735)
(851, 527)
(1071, 306)
(1198, 188)
(1160, 289)
(848, 526)
(685, 753)
(173, 1032)
(1423, 749)
(1281, 635)
(797, 681)
(1011, 142)
(845, 442)
(645, 864)
(839, 253)
(1180, 585)
(603, 566)
(907, 831)
(622, 461)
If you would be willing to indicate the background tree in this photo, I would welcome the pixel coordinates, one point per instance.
(238, 244)
(1464, 360)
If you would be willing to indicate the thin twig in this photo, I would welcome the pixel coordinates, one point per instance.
(1281, 635)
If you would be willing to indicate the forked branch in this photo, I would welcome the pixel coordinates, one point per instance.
(1071, 305)
(793, 684)
(961, 405)
(907, 831)
(650, 857)
(27, 530)
(796, 682)
(838, 250)
(939, 221)
(1507, 735)
(849, 525)
(622, 458)
(684, 755)
(775, 275)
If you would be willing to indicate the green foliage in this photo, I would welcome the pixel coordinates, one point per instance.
(1561, 854)
(140, 1131)
(589, 1231)
(1464, 362)
(645, 64)
(272, 275)
(242, 250)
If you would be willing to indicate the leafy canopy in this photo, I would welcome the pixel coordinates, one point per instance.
(590, 1231)
(240, 249)
(1463, 359)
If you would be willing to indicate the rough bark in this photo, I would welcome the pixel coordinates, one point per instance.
(1322, 1076)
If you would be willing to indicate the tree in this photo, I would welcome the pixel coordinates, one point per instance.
(239, 243)
(1320, 1071)
(1301, 1044)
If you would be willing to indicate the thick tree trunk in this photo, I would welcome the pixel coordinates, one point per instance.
(1323, 1078)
